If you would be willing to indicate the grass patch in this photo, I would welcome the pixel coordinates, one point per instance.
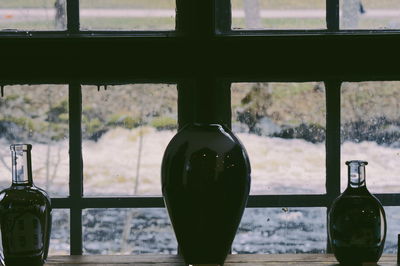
(147, 4)
(284, 23)
(128, 23)
(34, 25)
(312, 4)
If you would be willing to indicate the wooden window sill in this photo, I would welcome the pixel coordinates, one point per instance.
(232, 260)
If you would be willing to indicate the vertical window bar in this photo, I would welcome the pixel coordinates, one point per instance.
(195, 18)
(76, 167)
(332, 15)
(332, 89)
(73, 16)
(223, 16)
(223, 102)
(212, 101)
(185, 106)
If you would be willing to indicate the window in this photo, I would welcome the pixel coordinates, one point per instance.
(91, 63)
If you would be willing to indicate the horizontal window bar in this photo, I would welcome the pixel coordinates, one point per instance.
(255, 201)
(171, 34)
(114, 202)
(100, 58)
(260, 201)
(389, 199)
(86, 34)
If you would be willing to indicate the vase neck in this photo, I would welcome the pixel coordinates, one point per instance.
(356, 174)
(21, 164)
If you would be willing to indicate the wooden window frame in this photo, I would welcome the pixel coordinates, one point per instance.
(202, 56)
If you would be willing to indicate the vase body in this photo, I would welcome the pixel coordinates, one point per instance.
(357, 222)
(205, 184)
(25, 214)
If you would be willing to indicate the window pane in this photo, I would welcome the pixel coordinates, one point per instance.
(33, 15)
(37, 115)
(370, 14)
(393, 229)
(127, 14)
(282, 230)
(127, 231)
(370, 130)
(282, 126)
(59, 240)
(125, 132)
(278, 14)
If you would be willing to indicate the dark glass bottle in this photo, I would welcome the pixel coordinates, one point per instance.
(357, 222)
(205, 184)
(25, 214)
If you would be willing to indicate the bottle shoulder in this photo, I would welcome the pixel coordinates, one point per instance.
(356, 198)
(24, 193)
(198, 136)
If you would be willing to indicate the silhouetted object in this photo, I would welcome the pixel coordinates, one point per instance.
(25, 214)
(398, 249)
(205, 183)
(357, 222)
(362, 10)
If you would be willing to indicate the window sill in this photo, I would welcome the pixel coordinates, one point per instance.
(232, 260)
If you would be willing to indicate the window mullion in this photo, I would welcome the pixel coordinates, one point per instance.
(332, 15)
(332, 89)
(332, 139)
(223, 16)
(76, 167)
(195, 18)
(73, 16)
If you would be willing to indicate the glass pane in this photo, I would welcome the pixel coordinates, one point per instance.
(278, 14)
(370, 130)
(282, 126)
(282, 230)
(37, 115)
(33, 15)
(59, 240)
(393, 229)
(125, 132)
(127, 231)
(370, 14)
(127, 14)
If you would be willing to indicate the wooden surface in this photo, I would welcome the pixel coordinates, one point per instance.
(232, 260)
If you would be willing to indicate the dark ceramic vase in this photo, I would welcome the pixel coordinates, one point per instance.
(205, 184)
(357, 221)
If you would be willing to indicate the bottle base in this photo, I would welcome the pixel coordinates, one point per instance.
(357, 256)
(31, 261)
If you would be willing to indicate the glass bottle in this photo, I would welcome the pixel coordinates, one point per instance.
(25, 214)
(357, 222)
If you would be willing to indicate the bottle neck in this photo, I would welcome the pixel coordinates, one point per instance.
(356, 174)
(21, 164)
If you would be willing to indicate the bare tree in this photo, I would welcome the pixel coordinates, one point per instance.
(132, 213)
(60, 20)
(252, 14)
